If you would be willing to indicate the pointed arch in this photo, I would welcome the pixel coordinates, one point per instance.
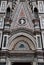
(36, 12)
(22, 36)
(8, 10)
(21, 45)
(35, 9)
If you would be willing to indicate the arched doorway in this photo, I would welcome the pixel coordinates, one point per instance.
(22, 47)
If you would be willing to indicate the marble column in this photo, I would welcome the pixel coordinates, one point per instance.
(8, 62)
(34, 63)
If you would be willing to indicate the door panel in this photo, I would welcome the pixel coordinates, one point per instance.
(40, 63)
(2, 63)
(21, 63)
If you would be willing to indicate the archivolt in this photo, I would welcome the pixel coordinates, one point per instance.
(22, 36)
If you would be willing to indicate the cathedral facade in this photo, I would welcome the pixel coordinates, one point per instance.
(21, 32)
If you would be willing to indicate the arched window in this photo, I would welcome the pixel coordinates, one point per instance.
(35, 9)
(8, 9)
(36, 12)
(8, 12)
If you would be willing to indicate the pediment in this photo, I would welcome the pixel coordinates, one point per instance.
(22, 11)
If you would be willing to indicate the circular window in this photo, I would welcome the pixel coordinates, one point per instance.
(22, 21)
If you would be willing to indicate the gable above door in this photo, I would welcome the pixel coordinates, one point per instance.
(23, 14)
